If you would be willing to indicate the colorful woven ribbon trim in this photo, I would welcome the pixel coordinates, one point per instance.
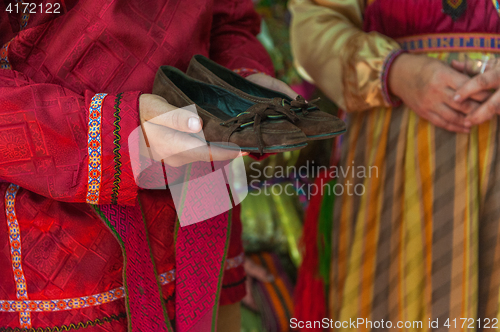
(69, 327)
(95, 149)
(15, 252)
(25, 15)
(92, 300)
(4, 58)
(466, 42)
(74, 303)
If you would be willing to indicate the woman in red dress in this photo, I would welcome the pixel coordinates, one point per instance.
(70, 95)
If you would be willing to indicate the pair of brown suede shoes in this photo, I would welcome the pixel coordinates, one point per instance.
(238, 113)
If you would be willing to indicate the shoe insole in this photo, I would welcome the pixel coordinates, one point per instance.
(216, 100)
(239, 82)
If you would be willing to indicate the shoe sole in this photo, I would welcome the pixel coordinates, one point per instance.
(268, 149)
(325, 136)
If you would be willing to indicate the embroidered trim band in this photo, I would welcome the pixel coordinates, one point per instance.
(4, 56)
(116, 150)
(81, 325)
(15, 252)
(27, 306)
(95, 148)
(451, 43)
(26, 15)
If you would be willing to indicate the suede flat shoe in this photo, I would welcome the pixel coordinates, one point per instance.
(228, 118)
(314, 123)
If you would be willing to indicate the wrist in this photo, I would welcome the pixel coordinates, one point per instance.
(397, 74)
(392, 74)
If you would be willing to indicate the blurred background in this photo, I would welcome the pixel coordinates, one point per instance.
(273, 222)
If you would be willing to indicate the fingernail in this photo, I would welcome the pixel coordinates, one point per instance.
(467, 123)
(194, 124)
(243, 154)
(456, 98)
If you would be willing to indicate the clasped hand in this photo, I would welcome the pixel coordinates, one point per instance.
(443, 94)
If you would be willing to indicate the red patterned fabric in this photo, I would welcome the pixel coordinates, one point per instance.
(200, 251)
(408, 18)
(145, 307)
(233, 283)
(43, 139)
(59, 63)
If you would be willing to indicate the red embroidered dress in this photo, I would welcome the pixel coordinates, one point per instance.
(72, 92)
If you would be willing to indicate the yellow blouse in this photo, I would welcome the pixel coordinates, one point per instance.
(332, 51)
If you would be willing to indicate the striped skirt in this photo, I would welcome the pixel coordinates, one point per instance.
(419, 248)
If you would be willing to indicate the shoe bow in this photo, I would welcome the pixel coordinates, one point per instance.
(300, 104)
(257, 113)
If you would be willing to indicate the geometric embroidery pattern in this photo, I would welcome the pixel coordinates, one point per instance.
(467, 42)
(72, 326)
(4, 59)
(15, 252)
(26, 306)
(116, 150)
(95, 149)
(26, 15)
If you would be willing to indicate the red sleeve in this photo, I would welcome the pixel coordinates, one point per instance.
(48, 132)
(233, 37)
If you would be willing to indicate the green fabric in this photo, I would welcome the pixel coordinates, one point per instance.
(261, 229)
(250, 321)
(289, 220)
(325, 230)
